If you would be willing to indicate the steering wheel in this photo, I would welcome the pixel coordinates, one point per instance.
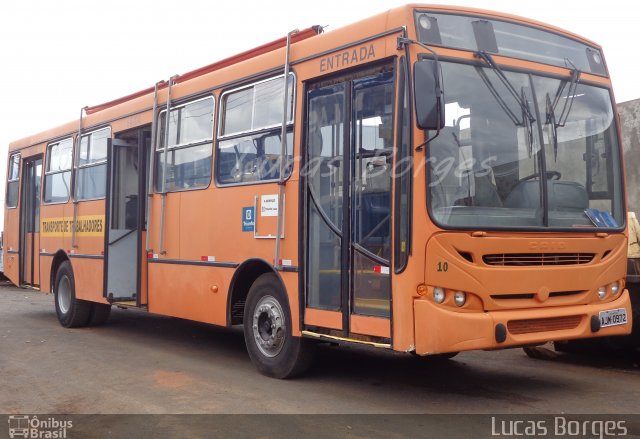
(551, 175)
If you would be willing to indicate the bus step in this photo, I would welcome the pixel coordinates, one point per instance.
(128, 304)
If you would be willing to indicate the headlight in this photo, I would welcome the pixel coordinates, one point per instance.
(615, 288)
(602, 293)
(460, 298)
(438, 295)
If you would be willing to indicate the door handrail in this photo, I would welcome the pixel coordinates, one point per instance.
(283, 151)
(163, 193)
(74, 181)
(151, 166)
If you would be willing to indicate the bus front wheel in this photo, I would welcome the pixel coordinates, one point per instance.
(267, 331)
(72, 312)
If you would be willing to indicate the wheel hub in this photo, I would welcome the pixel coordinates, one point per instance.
(64, 295)
(269, 327)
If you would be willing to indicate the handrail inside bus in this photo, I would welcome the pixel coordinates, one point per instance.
(252, 53)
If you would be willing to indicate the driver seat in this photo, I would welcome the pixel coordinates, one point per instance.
(562, 195)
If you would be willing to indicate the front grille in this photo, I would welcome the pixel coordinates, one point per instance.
(537, 259)
(543, 325)
(512, 296)
(531, 295)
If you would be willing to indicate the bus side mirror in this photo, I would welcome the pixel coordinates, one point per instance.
(429, 94)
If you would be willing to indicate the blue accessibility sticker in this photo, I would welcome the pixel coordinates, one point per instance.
(248, 219)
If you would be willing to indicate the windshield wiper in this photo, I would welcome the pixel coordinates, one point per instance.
(566, 109)
(505, 81)
(551, 120)
(527, 121)
(571, 95)
(516, 121)
(527, 118)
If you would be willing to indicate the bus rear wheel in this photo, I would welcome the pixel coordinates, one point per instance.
(72, 312)
(267, 331)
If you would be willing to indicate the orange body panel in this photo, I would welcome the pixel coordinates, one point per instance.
(375, 326)
(187, 292)
(439, 329)
(323, 318)
(88, 276)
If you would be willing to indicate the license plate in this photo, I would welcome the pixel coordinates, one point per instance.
(613, 317)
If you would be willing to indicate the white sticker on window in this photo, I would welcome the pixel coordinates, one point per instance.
(269, 205)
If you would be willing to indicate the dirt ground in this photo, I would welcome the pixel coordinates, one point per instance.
(143, 363)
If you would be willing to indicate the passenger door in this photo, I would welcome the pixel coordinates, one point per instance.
(30, 222)
(348, 203)
(123, 237)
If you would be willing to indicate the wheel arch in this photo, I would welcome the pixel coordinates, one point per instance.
(244, 276)
(58, 259)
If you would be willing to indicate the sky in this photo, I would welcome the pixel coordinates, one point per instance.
(59, 56)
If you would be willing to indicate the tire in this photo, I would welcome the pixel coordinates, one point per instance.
(72, 312)
(100, 313)
(267, 331)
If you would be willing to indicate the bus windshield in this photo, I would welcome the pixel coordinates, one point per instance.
(548, 159)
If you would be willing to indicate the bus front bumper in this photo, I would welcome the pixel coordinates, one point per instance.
(439, 329)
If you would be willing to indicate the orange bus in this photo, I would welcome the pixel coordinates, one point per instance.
(429, 180)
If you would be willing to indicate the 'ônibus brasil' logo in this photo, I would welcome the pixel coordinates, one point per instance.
(32, 427)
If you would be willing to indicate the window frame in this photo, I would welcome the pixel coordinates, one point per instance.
(15, 180)
(159, 149)
(47, 172)
(290, 128)
(404, 120)
(77, 167)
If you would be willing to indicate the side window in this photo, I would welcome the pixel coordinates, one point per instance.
(57, 176)
(13, 180)
(92, 165)
(250, 135)
(189, 147)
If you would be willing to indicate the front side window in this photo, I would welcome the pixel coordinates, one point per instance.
(57, 176)
(92, 165)
(250, 139)
(188, 140)
(490, 166)
(13, 180)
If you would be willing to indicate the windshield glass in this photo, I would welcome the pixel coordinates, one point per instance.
(496, 157)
